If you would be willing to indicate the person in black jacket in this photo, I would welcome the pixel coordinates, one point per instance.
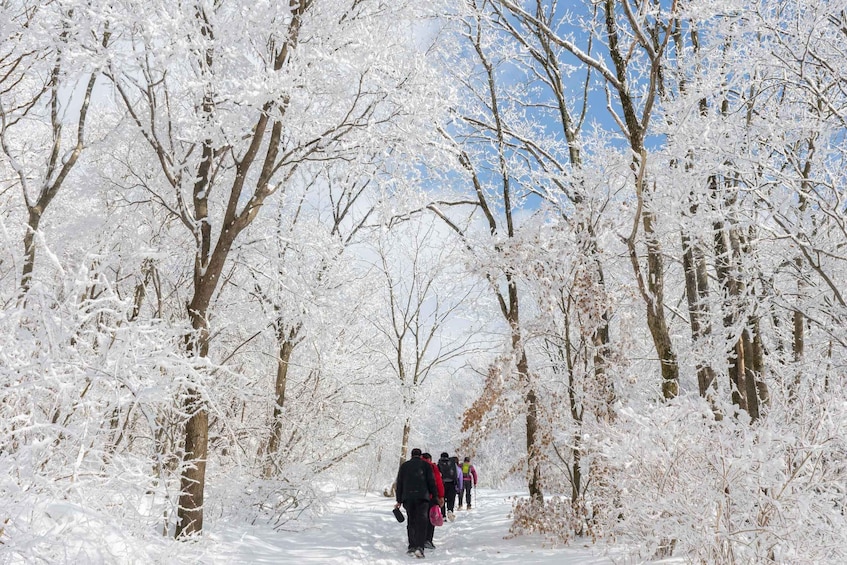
(449, 467)
(415, 488)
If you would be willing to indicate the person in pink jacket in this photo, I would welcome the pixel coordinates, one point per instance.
(468, 481)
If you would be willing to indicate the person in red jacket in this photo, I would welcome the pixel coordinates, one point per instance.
(436, 501)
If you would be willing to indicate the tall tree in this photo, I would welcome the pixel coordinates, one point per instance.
(635, 40)
(416, 265)
(230, 127)
(557, 153)
(342, 200)
(483, 148)
(38, 91)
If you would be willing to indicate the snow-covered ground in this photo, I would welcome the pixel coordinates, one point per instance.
(360, 528)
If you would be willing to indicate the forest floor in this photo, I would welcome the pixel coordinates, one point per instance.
(360, 528)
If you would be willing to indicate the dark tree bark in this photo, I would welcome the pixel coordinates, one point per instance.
(287, 342)
(60, 161)
(697, 295)
(652, 290)
(212, 252)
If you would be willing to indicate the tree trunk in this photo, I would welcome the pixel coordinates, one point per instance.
(404, 442)
(746, 358)
(754, 349)
(652, 291)
(600, 334)
(730, 292)
(758, 363)
(533, 452)
(600, 340)
(29, 248)
(653, 294)
(286, 348)
(697, 293)
(209, 263)
(798, 334)
(656, 320)
(577, 412)
(196, 450)
(750, 391)
(532, 434)
(193, 479)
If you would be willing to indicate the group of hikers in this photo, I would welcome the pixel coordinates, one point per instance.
(423, 486)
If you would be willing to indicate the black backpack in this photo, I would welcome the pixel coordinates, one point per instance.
(448, 470)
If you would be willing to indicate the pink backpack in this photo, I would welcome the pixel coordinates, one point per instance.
(435, 517)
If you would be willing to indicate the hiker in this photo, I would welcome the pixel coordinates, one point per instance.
(459, 480)
(449, 468)
(468, 481)
(415, 488)
(434, 501)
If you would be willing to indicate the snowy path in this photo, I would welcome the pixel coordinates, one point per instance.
(360, 528)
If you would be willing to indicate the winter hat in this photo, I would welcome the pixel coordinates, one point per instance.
(426, 456)
(445, 455)
(416, 452)
(467, 459)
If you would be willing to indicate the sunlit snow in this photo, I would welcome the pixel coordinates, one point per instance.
(359, 528)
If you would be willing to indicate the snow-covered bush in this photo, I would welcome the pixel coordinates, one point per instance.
(727, 491)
